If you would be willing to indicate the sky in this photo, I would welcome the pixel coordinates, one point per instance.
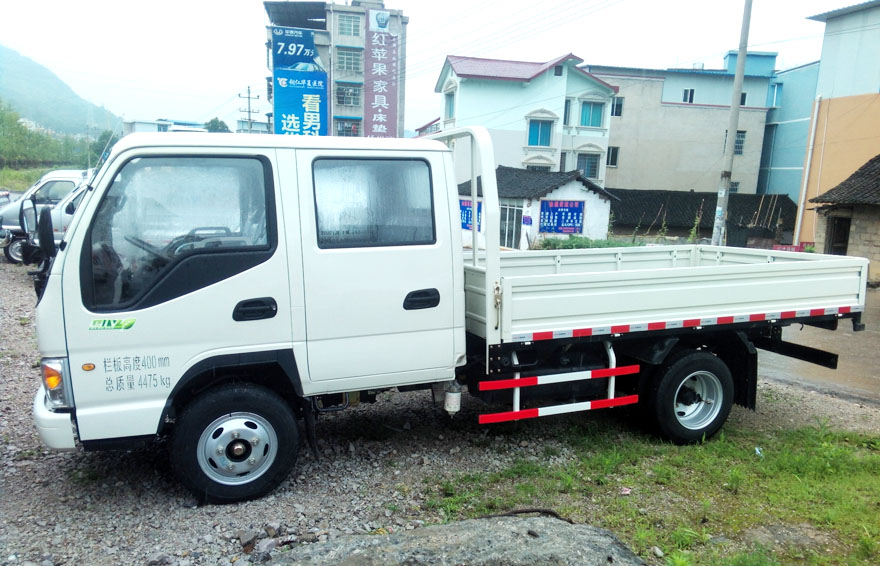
(193, 60)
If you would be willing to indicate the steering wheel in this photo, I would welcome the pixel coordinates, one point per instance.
(148, 247)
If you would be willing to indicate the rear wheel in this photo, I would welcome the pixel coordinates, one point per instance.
(234, 443)
(13, 251)
(692, 396)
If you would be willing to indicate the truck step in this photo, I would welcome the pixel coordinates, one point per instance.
(556, 378)
(557, 409)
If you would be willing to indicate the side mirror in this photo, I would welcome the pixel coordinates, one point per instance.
(45, 235)
(70, 208)
(27, 218)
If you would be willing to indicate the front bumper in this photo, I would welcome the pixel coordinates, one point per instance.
(5, 237)
(55, 429)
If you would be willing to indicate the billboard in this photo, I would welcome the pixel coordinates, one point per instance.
(300, 86)
(381, 76)
(562, 216)
(467, 215)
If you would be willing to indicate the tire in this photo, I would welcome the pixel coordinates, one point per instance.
(691, 397)
(13, 251)
(234, 443)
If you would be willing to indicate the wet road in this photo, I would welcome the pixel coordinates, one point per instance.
(858, 371)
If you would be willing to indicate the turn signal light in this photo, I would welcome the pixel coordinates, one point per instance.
(51, 377)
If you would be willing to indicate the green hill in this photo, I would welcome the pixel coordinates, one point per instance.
(37, 94)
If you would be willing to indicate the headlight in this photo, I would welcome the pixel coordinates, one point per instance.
(55, 380)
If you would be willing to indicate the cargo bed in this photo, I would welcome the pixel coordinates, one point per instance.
(572, 293)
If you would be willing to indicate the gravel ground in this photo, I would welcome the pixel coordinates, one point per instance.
(377, 460)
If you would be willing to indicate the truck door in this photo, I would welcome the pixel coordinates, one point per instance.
(180, 266)
(377, 268)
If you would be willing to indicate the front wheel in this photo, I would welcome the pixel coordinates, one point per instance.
(692, 397)
(234, 443)
(14, 251)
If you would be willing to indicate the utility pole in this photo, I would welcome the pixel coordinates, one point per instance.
(719, 230)
(248, 110)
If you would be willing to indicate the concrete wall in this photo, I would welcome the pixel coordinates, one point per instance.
(847, 136)
(788, 131)
(713, 89)
(677, 146)
(849, 55)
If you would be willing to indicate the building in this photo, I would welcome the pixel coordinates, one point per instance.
(161, 125)
(788, 127)
(668, 126)
(548, 117)
(361, 50)
(688, 216)
(845, 125)
(252, 127)
(849, 216)
(537, 204)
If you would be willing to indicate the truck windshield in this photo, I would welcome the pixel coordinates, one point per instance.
(160, 210)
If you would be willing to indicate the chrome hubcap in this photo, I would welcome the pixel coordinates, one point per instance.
(698, 400)
(237, 448)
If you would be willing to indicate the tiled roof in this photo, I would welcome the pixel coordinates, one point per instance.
(862, 187)
(522, 183)
(642, 208)
(498, 69)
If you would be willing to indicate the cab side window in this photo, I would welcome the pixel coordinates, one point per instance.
(161, 212)
(53, 191)
(373, 202)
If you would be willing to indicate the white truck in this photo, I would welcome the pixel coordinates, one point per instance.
(216, 289)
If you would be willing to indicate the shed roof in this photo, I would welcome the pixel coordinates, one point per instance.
(642, 207)
(825, 16)
(522, 183)
(862, 187)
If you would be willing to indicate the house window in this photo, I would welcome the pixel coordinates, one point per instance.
(349, 59)
(348, 128)
(588, 164)
(539, 132)
(450, 105)
(734, 187)
(511, 222)
(611, 159)
(742, 98)
(543, 168)
(687, 95)
(557, 70)
(349, 25)
(562, 161)
(777, 94)
(348, 95)
(591, 114)
(566, 113)
(740, 142)
(617, 106)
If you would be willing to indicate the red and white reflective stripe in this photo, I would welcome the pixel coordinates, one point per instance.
(557, 409)
(685, 323)
(556, 378)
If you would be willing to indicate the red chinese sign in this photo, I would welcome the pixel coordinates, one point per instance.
(381, 80)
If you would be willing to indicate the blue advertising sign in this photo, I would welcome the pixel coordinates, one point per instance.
(300, 83)
(562, 216)
(467, 215)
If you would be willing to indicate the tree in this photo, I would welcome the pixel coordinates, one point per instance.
(216, 125)
(102, 145)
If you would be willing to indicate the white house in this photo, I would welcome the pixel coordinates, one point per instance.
(550, 116)
(539, 204)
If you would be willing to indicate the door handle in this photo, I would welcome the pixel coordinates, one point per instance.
(421, 299)
(255, 309)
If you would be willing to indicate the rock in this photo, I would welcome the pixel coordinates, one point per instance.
(476, 542)
(159, 559)
(657, 552)
(248, 538)
(273, 529)
(260, 557)
(266, 545)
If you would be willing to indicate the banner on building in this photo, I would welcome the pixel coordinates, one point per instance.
(300, 84)
(562, 216)
(467, 215)
(381, 77)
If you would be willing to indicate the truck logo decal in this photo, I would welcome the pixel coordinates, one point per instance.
(112, 324)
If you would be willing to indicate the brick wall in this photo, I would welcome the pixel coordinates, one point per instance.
(864, 235)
